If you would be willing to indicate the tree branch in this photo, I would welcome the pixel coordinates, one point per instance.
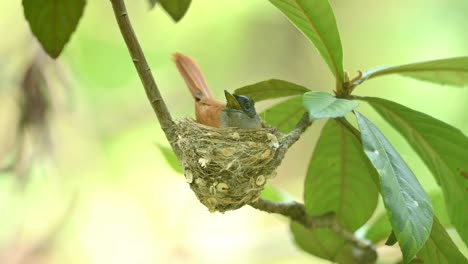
(143, 69)
(298, 130)
(296, 211)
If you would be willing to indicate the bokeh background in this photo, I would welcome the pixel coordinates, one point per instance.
(88, 184)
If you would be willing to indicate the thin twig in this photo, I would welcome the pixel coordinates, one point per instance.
(142, 67)
(298, 130)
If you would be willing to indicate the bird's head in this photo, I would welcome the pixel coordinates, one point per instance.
(240, 102)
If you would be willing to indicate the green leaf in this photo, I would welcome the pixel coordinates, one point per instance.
(53, 22)
(408, 205)
(324, 105)
(171, 158)
(326, 244)
(284, 115)
(380, 228)
(439, 248)
(271, 89)
(316, 20)
(443, 148)
(391, 240)
(339, 177)
(270, 193)
(175, 8)
(453, 71)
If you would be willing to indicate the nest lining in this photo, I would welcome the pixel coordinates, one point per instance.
(227, 167)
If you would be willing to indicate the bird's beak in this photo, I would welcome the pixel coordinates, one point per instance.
(232, 102)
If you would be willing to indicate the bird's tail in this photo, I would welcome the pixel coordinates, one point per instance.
(192, 76)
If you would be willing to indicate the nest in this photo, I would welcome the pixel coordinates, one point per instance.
(227, 167)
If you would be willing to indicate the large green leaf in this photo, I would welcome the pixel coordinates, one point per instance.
(408, 205)
(175, 8)
(439, 248)
(380, 228)
(453, 71)
(443, 148)
(340, 177)
(284, 115)
(271, 89)
(53, 22)
(324, 105)
(316, 20)
(326, 244)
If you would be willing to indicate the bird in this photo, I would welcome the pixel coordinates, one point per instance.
(238, 111)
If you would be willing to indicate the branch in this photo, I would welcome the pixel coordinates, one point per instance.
(296, 133)
(296, 211)
(143, 69)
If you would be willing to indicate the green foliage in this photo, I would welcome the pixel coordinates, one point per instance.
(284, 115)
(271, 89)
(175, 8)
(326, 244)
(439, 248)
(453, 71)
(443, 148)
(340, 177)
(53, 22)
(270, 193)
(322, 243)
(171, 158)
(380, 228)
(324, 105)
(316, 20)
(408, 206)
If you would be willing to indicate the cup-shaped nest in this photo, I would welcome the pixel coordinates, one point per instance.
(227, 167)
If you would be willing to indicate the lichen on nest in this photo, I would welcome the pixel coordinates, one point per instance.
(227, 167)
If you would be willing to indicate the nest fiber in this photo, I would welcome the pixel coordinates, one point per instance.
(227, 167)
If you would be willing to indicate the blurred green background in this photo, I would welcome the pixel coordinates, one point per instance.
(99, 191)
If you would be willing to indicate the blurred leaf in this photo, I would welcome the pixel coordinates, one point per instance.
(380, 228)
(175, 8)
(324, 105)
(53, 22)
(316, 20)
(153, 3)
(171, 158)
(408, 205)
(284, 115)
(443, 148)
(453, 71)
(439, 208)
(440, 248)
(270, 193)
(340, 177)
(270, 89)
(326, 244)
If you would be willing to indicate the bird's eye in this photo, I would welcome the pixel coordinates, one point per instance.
(247, 106)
